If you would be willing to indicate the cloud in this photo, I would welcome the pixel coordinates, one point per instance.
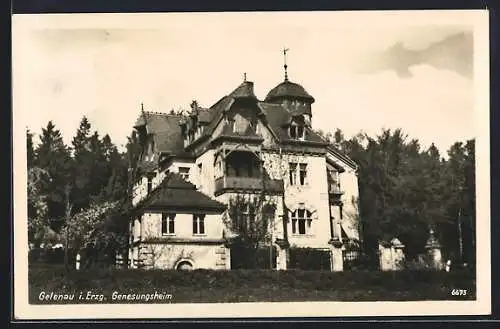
(453, 52)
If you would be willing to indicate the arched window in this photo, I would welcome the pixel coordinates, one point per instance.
(301, 221)
(185, 266)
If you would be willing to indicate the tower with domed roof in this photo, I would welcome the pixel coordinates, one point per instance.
(292, 96)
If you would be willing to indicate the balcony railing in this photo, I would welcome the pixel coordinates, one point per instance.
(334, 190)
(253, 184)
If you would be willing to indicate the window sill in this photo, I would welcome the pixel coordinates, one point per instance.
(296, 235)
(199, 235)
(299, 185)
(168, 234)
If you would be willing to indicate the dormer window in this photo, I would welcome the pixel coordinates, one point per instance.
(184, 172)
(297, 131)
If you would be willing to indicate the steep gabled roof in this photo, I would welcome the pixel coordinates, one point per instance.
(245, 90)
(166, 131)
(174, 193)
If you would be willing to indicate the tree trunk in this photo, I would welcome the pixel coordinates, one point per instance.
(69, 208)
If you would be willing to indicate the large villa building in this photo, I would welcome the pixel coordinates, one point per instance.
(194, 166)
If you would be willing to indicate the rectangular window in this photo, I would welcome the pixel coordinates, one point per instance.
(293, 173)
(293, 132)
(198, 224)
(184, 172)
(300, 132)
(167, 223)
(303, 173)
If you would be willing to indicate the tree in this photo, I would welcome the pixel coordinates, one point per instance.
(93, 168)
(460, 201)
(37, 204)
(401, 189)
(116, 172)
(88, 227)
(30, 149)
(249, 219)
(53, 156)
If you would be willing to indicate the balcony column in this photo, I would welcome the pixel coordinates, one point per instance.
(282, 255)
(336, 259)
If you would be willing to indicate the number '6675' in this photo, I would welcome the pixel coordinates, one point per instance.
(459, 292)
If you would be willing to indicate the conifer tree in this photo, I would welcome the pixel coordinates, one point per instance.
(53, 156)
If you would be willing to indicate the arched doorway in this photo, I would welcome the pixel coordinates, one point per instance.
(184, 265)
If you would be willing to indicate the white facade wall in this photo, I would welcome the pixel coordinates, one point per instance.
(205, 180)
(168, 256)
(151, 226)
(312, 196)
(201, 250)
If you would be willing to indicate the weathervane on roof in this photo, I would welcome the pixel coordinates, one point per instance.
(285, 66)
(245, 77)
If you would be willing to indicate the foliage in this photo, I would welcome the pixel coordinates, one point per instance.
(309, 259)
(249, 219)
(91, 175)
(405, 191)
(37, 204)
(87, 227)
(53, 156)
(244, 258)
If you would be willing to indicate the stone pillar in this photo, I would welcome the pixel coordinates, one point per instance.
(282, 255)
(391, 255)
(433, 248)
(336, 258)
(398, 255)
(385, 256)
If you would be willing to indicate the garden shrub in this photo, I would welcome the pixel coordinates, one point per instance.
(309, 259)
(243, 257)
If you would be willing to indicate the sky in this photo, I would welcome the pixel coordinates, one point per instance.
(367, 71)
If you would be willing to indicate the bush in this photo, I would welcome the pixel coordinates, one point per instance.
(309, 259)
(49, 256)
(246, 258)
(364, 262)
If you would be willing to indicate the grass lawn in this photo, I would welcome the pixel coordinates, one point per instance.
(205, 286)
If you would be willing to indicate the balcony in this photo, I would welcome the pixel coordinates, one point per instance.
(248, 184)
(334, 192)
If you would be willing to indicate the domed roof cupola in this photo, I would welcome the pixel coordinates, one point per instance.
(290, 90)
(292, 96)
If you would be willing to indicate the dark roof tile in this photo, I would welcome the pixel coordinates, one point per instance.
(288, 89)
(245, 90)
(176, 193)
